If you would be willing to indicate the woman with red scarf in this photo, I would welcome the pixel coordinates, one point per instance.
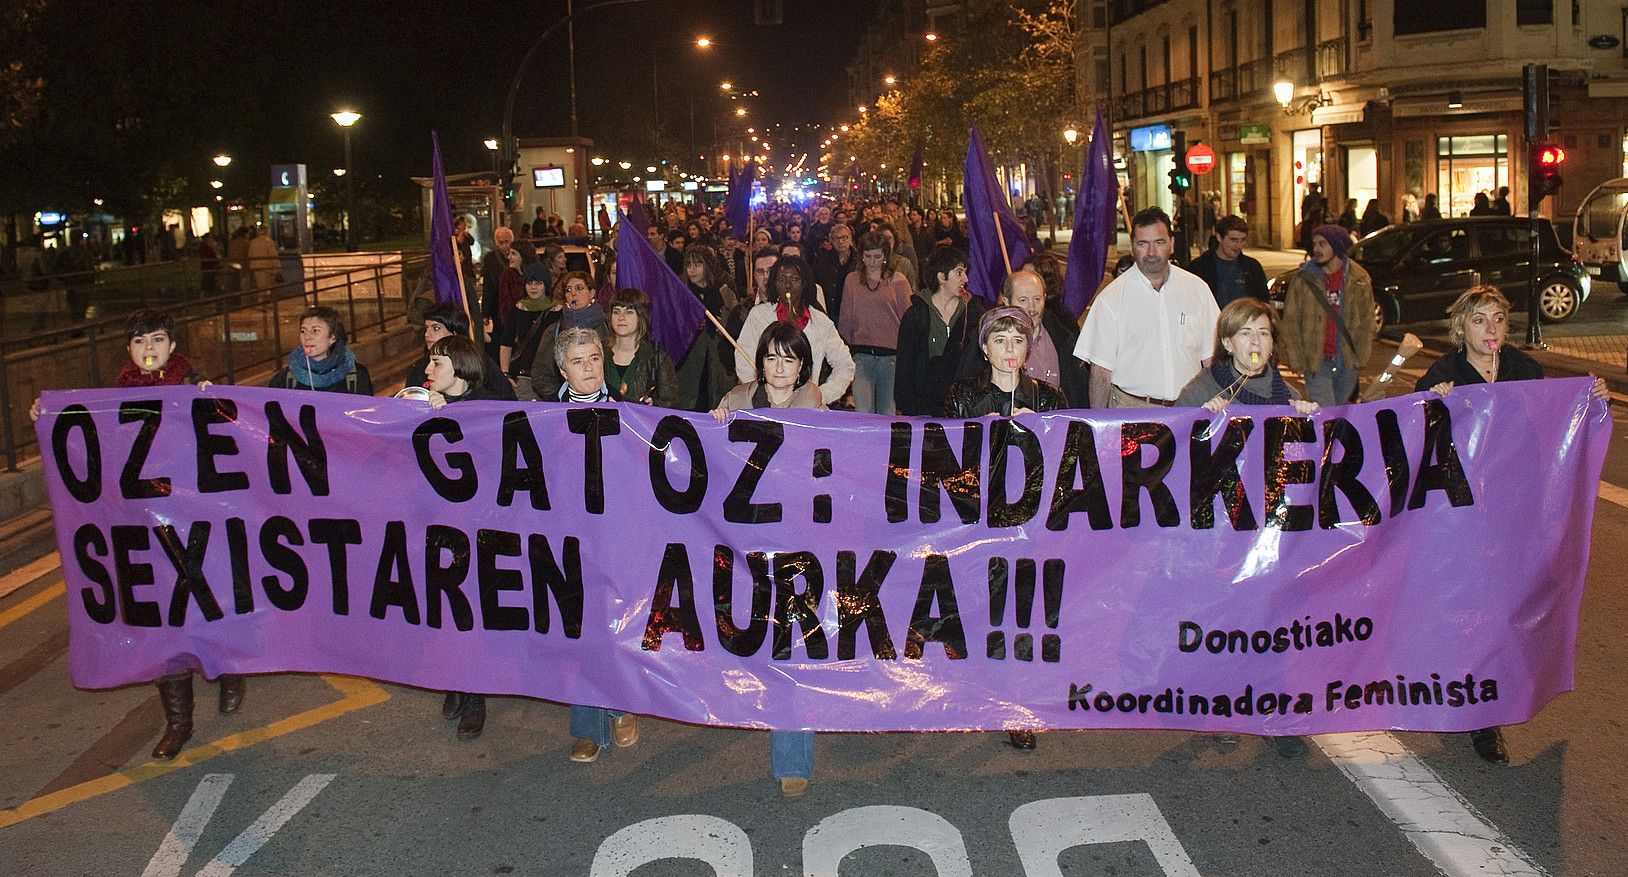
(154, 363)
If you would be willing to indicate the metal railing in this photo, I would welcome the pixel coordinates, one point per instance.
(1331, 58)
(222, 335)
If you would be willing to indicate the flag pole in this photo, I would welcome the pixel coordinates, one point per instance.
(463, 294)
(1005, 256)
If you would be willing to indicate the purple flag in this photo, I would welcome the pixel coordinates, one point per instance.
(1096, 215)
(738, 206)
(443, 267)
(1302, 590)
(916, 165)
(675, 313)
(636, 215)
(986, 269)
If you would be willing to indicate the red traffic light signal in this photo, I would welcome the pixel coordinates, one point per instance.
(1543, 167)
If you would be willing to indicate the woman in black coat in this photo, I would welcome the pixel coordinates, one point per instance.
(936, 331)
(1479, 321)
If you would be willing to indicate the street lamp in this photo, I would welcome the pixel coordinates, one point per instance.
(740, 111)
(215, 184)
(890, 79)
(345, 119)
(1283, 90)
(1071, 135)
(703, 42)
(725, 86)
(222, 160)
(930, 37)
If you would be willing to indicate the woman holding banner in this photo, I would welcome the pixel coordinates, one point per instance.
(456, 373)
(785, 368)
(1479, 324)
(1244, 371)
(1004, 389)
(150, 338)
(579, 359)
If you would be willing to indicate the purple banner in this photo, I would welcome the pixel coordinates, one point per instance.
(1372, 566)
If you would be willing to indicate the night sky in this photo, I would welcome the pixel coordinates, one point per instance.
(448, 67)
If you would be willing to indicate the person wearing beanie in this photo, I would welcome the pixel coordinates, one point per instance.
(1328, 328)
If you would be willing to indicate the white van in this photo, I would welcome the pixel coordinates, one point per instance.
(1597, 233)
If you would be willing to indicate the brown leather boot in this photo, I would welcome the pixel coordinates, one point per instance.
(175, 693)
(231, 693)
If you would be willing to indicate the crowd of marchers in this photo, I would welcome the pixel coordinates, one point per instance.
(866, 307)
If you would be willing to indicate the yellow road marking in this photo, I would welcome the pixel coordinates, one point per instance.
(32, 603)
(29, 573)
(358, 694)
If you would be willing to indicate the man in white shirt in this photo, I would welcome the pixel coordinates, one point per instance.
(1151, 329)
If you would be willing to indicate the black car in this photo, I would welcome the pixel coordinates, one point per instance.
(1419, 268)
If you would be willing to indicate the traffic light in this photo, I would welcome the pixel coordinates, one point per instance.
(1543, 166)
(1181, 179)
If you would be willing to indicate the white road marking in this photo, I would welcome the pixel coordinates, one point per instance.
(261, 830)
(1439, 822)
(1613, 494)
(189, 826)
(825, 845)
(717, 842)
(1042, 830)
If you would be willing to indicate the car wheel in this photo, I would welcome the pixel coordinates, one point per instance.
(1557, 300)
(1379, 317)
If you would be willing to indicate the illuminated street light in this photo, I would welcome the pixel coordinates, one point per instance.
(596, 161)
(1283, 90)
(740, 111)
(931, 37)
(491, 143)
(726, 85)
(650, 169)
(703, 42)
(215, 184)
(1070, 135)
(864, 109)
(339, 171)
(222, 160)
(890, 79)
(346, 119)
(843, 129)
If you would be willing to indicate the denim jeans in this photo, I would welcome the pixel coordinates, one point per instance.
(1332, 383)
(791, 754)
(873, 383)
(593, 723)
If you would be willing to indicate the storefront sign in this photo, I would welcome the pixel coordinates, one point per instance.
(1253, 134)
(1151, 138)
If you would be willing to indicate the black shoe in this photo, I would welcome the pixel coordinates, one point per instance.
(1024, 740)
(1489, 744)
(232, 689)
(175, 693)
(473, 718)
(1288, 747)
(453, 706)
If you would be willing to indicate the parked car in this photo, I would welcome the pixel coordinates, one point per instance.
(1419, 268)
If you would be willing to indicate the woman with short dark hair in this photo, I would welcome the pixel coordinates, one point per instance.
(323, 361)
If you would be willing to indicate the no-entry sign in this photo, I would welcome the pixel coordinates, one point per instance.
(1200, 159)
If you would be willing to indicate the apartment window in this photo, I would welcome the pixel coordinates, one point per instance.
(1534, 12)
(1099, 13)
(1417, 18)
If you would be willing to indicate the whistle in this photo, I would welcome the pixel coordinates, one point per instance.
(149, 361)
(1254, 358)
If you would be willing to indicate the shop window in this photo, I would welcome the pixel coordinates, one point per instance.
(1417, 18)
(1467, 165)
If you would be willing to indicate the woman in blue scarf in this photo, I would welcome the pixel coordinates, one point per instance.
(322, 361)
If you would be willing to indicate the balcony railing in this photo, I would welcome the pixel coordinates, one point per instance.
(1169, 97)
(1298, 65)
(1331, 59)
(1249, 79)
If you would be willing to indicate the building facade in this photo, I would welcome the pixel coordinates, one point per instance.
(1384, 98)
